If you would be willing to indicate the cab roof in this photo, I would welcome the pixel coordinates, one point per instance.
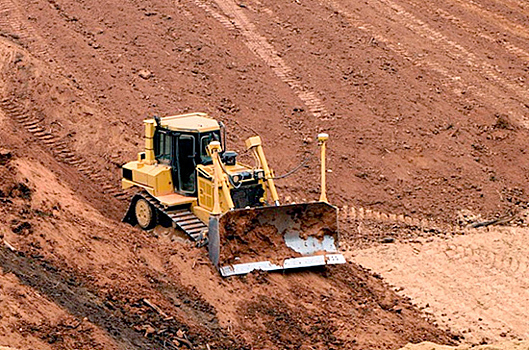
(192, 122)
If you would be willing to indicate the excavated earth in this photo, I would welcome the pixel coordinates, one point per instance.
(259, 234)
(426, 104)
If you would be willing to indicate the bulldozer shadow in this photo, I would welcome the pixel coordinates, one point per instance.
(171, 234)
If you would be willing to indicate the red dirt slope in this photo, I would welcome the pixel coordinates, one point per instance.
(117, 287)
(427, 115)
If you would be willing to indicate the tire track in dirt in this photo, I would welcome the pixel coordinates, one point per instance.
(477, 282)
(427, 228)
(468, 257)
(14, 27)
(422, 29)
(235, 20)
(359, 219)
(419, 60)
(416, 59)
(451, 49)
(518, 6)
(494, 18)
(449, 79)
(58, 147)
(10, 18)
(6, 57)
(432, 9)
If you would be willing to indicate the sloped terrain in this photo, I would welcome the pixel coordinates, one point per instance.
(406, 118)
(425, 103)
(476, 284)
(111, 286)
(103, 284)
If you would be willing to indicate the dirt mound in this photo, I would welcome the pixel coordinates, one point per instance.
(367, 311)
(15, 195)
(261, 234)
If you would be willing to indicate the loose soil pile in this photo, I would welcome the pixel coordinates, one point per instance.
(259, 234)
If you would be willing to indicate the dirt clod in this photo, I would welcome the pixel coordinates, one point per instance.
(21, 228)
(5, 156)
(145, 74)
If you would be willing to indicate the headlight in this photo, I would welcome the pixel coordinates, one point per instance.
(259, 175)
(236, 178)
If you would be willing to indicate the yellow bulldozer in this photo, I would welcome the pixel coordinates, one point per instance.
(189, 181)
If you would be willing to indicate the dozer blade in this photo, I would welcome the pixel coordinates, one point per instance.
(274, 238)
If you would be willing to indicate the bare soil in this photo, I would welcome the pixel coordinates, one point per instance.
(119, 287)
(504, 345)
(259, 234)
(475, 284)
(426, 106)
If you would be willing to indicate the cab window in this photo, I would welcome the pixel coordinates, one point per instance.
(205, 140)
(162, 147)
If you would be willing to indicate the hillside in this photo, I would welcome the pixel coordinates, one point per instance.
(425, 103)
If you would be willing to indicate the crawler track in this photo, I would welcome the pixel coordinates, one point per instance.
(180, 217)
(476, 282)
(59, 147)
(19, 30)
(235, 19)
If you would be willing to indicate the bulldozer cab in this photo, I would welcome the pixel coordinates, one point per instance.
(183, 151)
